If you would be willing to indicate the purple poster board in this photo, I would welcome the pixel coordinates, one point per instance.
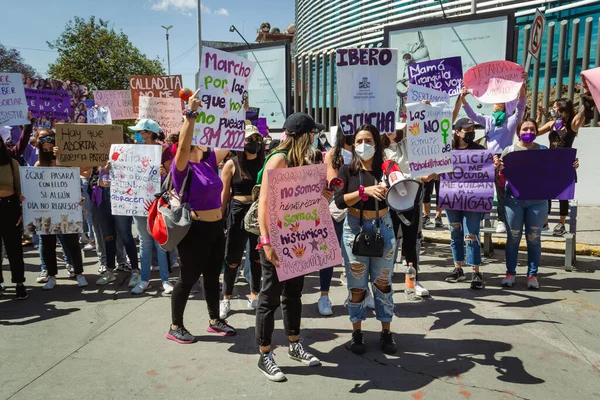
(444, 74)
(49, 103)
(262, 126)
(541, 174)
(252, 115)
(470, 186)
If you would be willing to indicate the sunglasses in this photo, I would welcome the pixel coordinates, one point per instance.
(258, 139)
(46, 139)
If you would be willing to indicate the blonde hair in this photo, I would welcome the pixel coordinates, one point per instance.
(297, 146)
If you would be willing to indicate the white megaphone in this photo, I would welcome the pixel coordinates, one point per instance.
(403, 192)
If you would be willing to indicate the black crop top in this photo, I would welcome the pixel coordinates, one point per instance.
(564, 141)
(351, 184)
(243, 186)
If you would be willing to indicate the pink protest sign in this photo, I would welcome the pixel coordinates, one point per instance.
(300, 226)
(494, 81)
(592, 78)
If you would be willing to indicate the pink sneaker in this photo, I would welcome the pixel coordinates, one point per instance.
(532, 283)
(508, 280)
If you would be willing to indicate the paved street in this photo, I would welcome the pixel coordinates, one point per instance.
(493, 344)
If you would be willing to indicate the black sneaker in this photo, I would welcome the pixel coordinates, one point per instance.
(427, 221)
(559, 230)
(222, 328)
(457, 275)
(477, 280)
(181, 336)
(21, 293)
(388, 344)
(2, 287)
(357, 344)
(438, 222)
(297, 352)
(267, 365)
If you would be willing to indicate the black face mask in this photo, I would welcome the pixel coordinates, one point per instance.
(47, 156)
(349, 140)
(252, 147)
(469, 137)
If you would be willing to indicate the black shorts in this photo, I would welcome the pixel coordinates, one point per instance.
(237, 235)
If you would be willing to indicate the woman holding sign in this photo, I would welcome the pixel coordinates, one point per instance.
(202, 250)
(295, 151)
(10, 231)
(531, 213)
(364, 198)
(47, 158)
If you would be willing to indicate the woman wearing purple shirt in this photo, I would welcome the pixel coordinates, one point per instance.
(202, 250)
(500, 130)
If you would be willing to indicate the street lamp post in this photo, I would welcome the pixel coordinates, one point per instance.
(168, 53)
(199, 43)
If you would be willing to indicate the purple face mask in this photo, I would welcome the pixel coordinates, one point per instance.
(528, 137)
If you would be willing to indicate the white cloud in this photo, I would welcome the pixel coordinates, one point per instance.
(185, 6)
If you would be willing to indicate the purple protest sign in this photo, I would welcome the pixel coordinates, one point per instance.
(262, 126)
(444, 74)
(541, 174)
(470, 186)
(49, 103)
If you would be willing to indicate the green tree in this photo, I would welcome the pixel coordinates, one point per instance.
(11, 61)
(94, 54)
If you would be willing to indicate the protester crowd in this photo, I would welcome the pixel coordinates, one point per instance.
(219, 185)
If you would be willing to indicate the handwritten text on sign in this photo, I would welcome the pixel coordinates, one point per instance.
(86, 145)
(470, 186)
(366, 88)
(52, 197)
(153, 86)
(417, 94)
(444, 74)
(223, 84)
(167, 112)
(429, 136)
(300, 226)
(13, 105)
(49, 103)
(494, 81)
(135, 178)
(118, 102)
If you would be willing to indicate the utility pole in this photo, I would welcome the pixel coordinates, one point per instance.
(168, 53)
(199, 43)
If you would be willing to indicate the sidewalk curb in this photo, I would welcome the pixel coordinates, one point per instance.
(548, 246)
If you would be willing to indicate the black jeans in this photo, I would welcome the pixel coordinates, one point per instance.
(410, 234)
(272, 294)
(500, 194)
(564, 207)
(234, 248)
(201, 253)
(10, 235)
(71, 246)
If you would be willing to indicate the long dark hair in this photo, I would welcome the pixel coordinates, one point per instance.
(5, 157)
(42, 160)
(565, 109)
(355, 165)
(337, 159)
(241, 156)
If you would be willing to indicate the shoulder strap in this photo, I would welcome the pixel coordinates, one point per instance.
(262, 170)
(362, 203)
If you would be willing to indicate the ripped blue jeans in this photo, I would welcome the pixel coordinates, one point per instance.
(362, 270)
(464, 229)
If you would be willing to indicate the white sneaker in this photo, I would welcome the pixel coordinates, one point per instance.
(253, 304)
(175, 266)
(140, 287)
(500, 227)
(50, 284)
(224, 309)
(89, 247)
(196, 288)
(81, 281)
(324, 305)
(102, 269)
(135, 279)
(420, 291)
(167, 287)
(70, 271)
(106, 278)
(154, 268)
(370, 300)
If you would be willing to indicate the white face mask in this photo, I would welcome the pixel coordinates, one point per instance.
(347, 154)
(365, 151)
(323, 140)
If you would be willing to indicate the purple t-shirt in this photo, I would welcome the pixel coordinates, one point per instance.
(205, 186)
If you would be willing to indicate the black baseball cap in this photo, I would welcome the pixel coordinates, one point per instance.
(301, 123)
(464, 123)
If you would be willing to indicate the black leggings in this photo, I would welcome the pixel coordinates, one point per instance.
(234, 248)
(70, 243)
(410, 234)
(10, 235)
(564, 207)
(288, 294)
(428, 191)
(201, 253)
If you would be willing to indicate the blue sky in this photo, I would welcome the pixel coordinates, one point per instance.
(29, 23)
